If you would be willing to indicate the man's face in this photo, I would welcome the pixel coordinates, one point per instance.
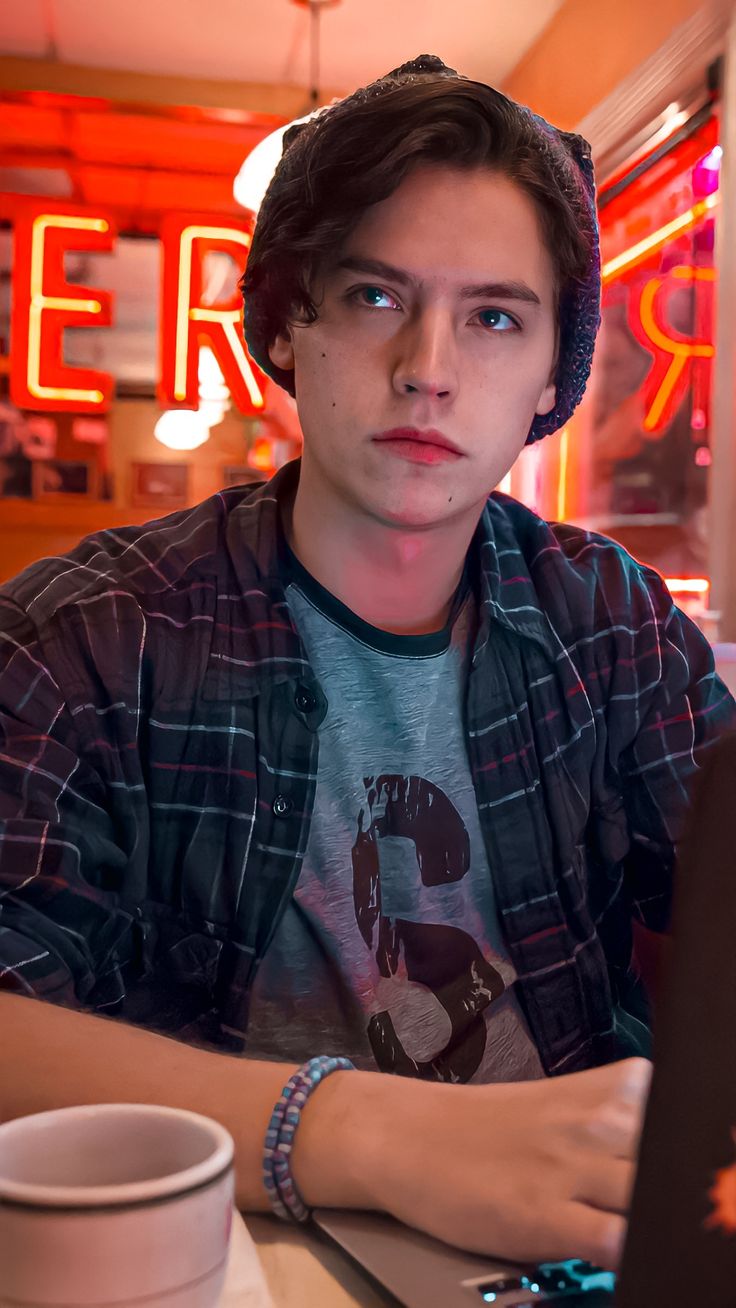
(437, 314)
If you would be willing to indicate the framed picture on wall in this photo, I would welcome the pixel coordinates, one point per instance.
(160, 485)
(54, 479)
(42, 435)
(241, 475)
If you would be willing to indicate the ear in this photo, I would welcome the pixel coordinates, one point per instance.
(547, 399)
(281, 351)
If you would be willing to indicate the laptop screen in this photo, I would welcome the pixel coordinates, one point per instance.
(681, 1247)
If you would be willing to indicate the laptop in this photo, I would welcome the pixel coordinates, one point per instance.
(681, 1243)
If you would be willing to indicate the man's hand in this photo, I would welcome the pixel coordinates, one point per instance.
(531, 1171)
(537, 1170)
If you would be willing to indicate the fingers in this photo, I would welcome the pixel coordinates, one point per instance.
(613, 1124)
(636, 1078)
(594, 1235)
(614, 1131)
(606, 1184)
(576, 1230)
(627, 1080)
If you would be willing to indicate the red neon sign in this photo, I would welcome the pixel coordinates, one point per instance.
(44, 304)
(188, 322)
(674, 353)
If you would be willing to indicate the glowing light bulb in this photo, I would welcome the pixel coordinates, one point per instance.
(256, 171)
(182, 429)
(214, 396)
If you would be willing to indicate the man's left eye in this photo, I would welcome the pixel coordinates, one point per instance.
(372, 294)
(497, 320)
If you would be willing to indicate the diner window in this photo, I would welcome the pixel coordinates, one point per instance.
(639, 451)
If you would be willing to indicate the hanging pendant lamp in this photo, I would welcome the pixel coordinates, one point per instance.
(258, 168)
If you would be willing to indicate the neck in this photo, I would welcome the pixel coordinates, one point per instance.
(399, 581)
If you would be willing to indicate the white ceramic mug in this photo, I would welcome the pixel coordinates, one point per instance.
(114, 1204)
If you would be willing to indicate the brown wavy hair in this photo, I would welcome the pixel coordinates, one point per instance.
(357, 152)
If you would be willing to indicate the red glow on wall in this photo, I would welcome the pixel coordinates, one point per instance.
(687, 585)
(651, 200)
(144, 160)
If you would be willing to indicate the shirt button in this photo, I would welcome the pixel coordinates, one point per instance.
(282, 805)
(305, 700)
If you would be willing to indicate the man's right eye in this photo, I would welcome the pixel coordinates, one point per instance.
(370, 296)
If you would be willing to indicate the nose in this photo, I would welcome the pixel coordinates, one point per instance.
(425, 362)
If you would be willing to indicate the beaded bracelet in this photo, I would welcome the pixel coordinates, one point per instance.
(283, 1195)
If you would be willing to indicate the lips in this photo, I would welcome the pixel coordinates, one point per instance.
(429, 437)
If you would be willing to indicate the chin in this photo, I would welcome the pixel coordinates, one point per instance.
(416, 514)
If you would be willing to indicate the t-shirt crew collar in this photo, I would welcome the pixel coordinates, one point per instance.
(257, 547)
(293, 572)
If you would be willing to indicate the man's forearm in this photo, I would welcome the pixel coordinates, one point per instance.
(53, 1057)
(528, 1171)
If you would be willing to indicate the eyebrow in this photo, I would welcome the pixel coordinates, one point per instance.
(484, 290)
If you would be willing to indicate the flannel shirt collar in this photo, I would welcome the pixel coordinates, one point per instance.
(508, 593)
(270, 648)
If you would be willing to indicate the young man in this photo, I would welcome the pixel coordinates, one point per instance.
(362, 761)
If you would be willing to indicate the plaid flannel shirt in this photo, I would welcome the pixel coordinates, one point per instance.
(159, 729)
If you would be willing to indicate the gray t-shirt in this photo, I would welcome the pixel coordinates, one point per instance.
(390, 950)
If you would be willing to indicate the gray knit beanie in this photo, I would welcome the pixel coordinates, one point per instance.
(568, 159)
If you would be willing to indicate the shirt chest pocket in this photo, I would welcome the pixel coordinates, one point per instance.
(201, 789)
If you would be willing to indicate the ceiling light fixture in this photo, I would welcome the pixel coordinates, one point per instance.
(315, 8)
(258, 168)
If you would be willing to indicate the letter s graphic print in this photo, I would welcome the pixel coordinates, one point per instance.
(443, 958)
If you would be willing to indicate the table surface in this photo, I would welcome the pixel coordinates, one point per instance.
(294, 1268)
